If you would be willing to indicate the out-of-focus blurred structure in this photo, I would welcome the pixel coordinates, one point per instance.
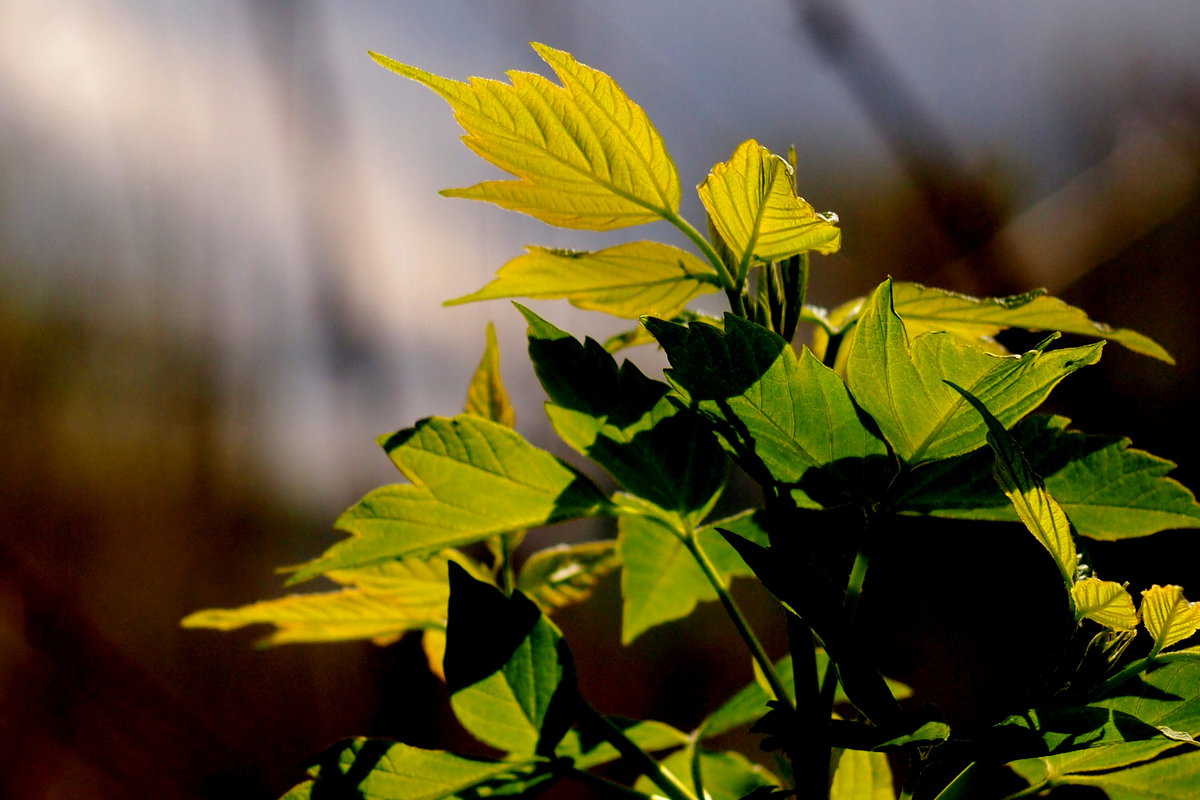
(222, 258)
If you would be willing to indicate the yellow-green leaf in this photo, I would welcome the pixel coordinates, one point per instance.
(486, 395)
(584, 154)
(862, 775)
(976, 320)
(1040, 512)
(380, 603)
(565, 574)
(1168, 616)
(1106, 602)
(751, 200)
(628, 280)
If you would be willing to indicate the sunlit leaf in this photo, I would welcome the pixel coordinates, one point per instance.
(471, 479)
(1106, 602)
(660, 580)
(567, 573)
(976, 320)
(782, 413)
(905, 386)
(751, 200)
(862, 775)
(1036, 508)
(1108, 489)
(381, 603)
(486, 395)
(376, 769)
(584, 154)
(510, 676)
(433, 643)
(628, 280)
(1168, 616)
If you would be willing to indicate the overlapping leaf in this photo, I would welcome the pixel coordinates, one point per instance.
(725, 775)
(660, 580)
(625, 422)
(976, 320)
(1108, 489)
(784, 414)
(751, 201)
(862, 775)
(584, 154)
(375, 769)
(511, 678)
(380, 603)
(650, 735)
(1106, 602)
(628, 280)
(471, 479)
(904, 386)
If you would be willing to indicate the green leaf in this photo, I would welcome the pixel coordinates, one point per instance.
(567, 573)
(787, 415)
(471, 479)
(862, 775)
(1108, 489)
(660, 580)
(725, 775)
(375, 769)
(628, 280)
(1036, 508)
(904, 386)
(381, 604)
(650, 735)
(1053, 731)
(626, 422)
(751, 201)
(750, 703)
(1165, 698)
(510, 675)
(1106, 602)
(1168, 616)
(584, 154)
(486, 395)
(976, 320)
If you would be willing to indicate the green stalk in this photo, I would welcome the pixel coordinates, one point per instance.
(739, 620)
(795, 291)
(957, 789)
(604, 728)
(707, 249)
(605, 786)
(811, 762)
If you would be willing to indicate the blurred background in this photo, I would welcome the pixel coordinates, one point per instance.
(222, 258)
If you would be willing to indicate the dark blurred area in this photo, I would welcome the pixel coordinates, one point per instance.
(221, 262)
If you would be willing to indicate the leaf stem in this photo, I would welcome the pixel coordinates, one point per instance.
(603, 784)
(957, 788)
(707, 249)
(604, 727)
(739, 620)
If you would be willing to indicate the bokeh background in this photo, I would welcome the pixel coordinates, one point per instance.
(222, 258)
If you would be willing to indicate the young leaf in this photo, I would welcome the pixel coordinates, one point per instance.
(628, 280)
(751, 200)
(1105, 602)
(381, 604)
(976, 320)
(471, 479)
(625, 422)
(1040, 513)
(904, 386)
(375, 769)
(660, 580)
(567, 573)
(1108, 489)
(862, 775)
(784, 414)
(1168, 616)
(510, 675)
(486, 395)
(584, 154)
